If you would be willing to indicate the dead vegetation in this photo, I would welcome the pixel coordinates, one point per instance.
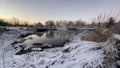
(103, 33)
(96, 35)
(99, 36)
(111, 46)
(116, 28)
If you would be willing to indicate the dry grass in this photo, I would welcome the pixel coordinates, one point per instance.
(98, 35)
(116, 28)
(111, 52)
(109, 46)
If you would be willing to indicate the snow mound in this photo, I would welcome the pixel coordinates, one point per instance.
(76, 54)
(84, 54)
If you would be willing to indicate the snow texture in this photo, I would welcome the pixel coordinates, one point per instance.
(76, 54)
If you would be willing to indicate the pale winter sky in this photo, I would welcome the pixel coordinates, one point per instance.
(43, 10)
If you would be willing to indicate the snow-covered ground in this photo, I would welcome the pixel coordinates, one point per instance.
(75, 54)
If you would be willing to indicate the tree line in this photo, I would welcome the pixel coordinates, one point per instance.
(62, 23)
(14, 22)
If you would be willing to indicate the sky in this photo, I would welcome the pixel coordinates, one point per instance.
(43, 10)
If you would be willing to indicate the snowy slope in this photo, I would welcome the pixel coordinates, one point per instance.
(76, 54)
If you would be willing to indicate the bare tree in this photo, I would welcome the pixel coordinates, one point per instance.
(50, 24)
(79, 23)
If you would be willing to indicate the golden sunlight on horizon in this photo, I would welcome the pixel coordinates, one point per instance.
(56, 10)
(31, 21)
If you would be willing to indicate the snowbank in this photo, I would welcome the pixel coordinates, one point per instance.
(76, 54)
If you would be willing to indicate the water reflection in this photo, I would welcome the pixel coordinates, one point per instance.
(50, 34)
(54, 38)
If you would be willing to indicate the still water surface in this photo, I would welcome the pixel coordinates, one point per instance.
(54, 38)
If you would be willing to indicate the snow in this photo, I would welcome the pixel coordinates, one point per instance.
(76, 54)
(116, 36)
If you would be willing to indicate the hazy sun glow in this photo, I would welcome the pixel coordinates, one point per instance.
(43, 10)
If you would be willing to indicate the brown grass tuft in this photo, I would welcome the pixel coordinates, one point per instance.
(98, 35)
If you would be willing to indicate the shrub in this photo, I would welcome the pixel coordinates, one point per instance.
(97, 35)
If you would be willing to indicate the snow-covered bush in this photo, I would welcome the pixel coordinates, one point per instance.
(111, 48)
